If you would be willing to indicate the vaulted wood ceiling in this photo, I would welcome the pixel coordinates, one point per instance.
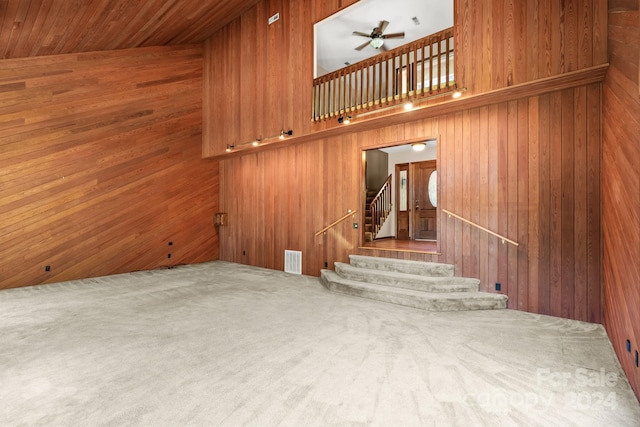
(51, 27)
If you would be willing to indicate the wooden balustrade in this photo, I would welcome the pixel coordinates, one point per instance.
(380, 206)
(419, 69)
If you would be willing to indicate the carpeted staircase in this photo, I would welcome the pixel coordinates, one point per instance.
(424, 285)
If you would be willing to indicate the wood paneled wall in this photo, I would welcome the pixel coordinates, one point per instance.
(528, 169)
(100, 165)
(258, 77)
(621, 186)
(501, 43)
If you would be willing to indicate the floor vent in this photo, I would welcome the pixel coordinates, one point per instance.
(293, 262)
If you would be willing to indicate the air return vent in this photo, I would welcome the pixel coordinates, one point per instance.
(293, 262)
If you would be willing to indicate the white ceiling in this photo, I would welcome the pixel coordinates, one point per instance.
(335, 43)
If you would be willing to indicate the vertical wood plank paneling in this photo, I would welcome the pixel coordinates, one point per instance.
(533, 40)
(474, 185)
(620, 187)
(98, 174)
(567, 215)
(544, 206)
(580, 202)
(511, 259)
(483, 191)
(555, 203)
(458, 176)
(493, 197)
(466, 187)
(594, 202)
(501, 214)
(449, 185)
(535, 219)
(523, 203)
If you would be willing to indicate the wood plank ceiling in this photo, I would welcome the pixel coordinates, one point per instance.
(41, 27)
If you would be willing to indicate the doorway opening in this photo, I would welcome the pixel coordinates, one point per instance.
(400, 197)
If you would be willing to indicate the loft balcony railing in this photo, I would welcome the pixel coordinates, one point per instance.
(417, 70)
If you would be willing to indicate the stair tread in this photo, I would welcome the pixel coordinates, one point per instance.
(334, 277)
(407, 276)
(395, 260)
(395, 264)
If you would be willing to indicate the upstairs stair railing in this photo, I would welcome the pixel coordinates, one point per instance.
(419, 69)
(380, 206)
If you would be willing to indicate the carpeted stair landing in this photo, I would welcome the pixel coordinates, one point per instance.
(424, 285)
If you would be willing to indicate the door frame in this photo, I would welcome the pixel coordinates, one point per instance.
(363, 196)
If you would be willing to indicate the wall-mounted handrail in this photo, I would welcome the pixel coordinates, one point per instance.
(338, 221)
(499, 236)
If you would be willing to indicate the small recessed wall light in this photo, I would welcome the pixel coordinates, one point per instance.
(229, 148)
(255, 143)
(344, 120)
(408, 106)
(458, 93)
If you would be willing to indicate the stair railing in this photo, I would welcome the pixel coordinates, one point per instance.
(336, 222)
(499, 236)
(380, 206)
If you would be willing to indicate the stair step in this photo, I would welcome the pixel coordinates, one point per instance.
(408, 281)
(440, 301)
(421, 268)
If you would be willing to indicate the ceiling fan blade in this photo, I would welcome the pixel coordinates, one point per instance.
(360, 33)
(383, 26)
(363, 45)
(393, 36)
(383, 48)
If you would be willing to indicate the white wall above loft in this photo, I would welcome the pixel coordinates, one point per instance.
(335, 44)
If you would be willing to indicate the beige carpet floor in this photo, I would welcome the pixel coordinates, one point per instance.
(225, 344)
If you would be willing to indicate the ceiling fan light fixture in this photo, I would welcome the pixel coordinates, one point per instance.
(376, 42)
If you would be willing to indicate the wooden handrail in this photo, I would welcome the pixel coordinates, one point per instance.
(499, 236)
(382, 189)
(336, 222)
(380, 206)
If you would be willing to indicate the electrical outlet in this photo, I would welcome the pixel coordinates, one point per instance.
(326, 264)
(170, 243)
(628, 346)
(498, 286)
(637, 361)
(168, 255)
(47, 268)
(274, 18)
(244, 253)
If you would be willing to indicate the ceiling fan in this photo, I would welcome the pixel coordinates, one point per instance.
(377, 37)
